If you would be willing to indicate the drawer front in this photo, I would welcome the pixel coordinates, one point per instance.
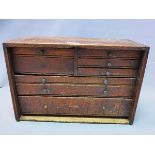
(75, 106)
(74, 80)
(107, 72)
(42, 65)
(74, 90)
(55, 52)
(109, 63)
(82, 53)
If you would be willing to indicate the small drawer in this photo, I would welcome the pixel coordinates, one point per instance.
(74, 106)
(75, 90)
(108, 63)
(99, 53)
(42, 65)
(107, 72)
(55, 52)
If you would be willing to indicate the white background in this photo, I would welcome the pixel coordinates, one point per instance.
(139, 30)
(78, 144)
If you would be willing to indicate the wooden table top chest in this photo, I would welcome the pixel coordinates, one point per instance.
(75, 79)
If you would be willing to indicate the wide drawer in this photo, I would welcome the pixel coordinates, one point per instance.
(75, 106)
(75, 90)
(42, 65)
(73, 80)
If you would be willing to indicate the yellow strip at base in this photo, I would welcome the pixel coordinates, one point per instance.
(74, 119)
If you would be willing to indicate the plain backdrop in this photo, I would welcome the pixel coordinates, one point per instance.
(138, 30)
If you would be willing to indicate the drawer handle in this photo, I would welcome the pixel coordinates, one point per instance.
(45, 90)
(44, 80)
(107, 73)
(103, 107)
(109, 64)
(106, 81)
(105, 92)
(45, 106)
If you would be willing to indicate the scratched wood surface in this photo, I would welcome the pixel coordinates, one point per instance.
(67, 42)
(73, 80)
(107, 72)
(43, 65)
(109, 63)
(75, 90)
(75, 106)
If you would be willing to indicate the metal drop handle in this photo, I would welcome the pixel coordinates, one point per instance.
(45, 90)
(109, 64)
(105, 92)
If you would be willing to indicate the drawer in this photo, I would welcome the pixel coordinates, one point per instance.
(75, 90)
(73, 80)
(75, 106)
(42, 65)
(99, 53)
(55, 52)
(107, 72)
(109, 63)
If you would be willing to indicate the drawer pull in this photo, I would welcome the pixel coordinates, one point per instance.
(105, 92)
(109, 64)
(45, 106)
(44, 80)
(45, 90)
(105, 81)
(107, 73)
(103, 107)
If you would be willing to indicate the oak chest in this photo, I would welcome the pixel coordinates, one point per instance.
(75, 79)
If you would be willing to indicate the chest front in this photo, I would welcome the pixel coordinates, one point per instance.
(75, 84)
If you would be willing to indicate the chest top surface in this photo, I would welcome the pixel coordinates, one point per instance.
(68, 42)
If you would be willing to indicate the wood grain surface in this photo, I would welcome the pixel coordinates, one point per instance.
(43, 65)
(74, 106)
(75, 90)
(73, 80)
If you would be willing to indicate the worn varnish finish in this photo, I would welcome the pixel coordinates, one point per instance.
(75, 106)
(43, 65)
(75, 79)
(75, 90)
